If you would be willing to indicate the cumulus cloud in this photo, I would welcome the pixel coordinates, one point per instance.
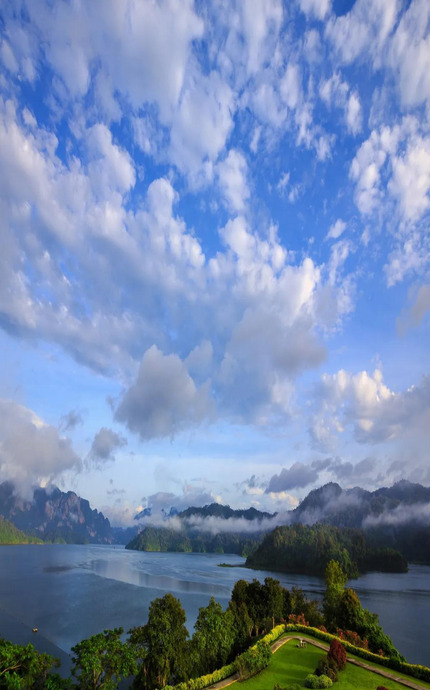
(363, 32)
(74, 38)
(409, 54)
(374, 412)
(32, 453)
(391, 171)
(164, 399)
(105, 443)
(232, 179)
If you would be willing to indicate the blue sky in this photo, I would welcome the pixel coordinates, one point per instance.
(215, 266)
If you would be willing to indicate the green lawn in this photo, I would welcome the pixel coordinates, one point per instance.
(291, 665)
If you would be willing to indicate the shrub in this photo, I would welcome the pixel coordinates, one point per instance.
(313, 681)
(328, 668)
(297, 619)
(337, 653)
(353, 638)
(381, 687)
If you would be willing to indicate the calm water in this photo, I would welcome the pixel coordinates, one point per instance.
(72, 592)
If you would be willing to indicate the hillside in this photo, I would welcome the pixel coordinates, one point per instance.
(9, 534)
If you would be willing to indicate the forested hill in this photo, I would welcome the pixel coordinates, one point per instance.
(9, 534)
(307, 550)
(184, 541)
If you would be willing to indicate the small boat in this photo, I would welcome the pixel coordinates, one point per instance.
(35, 629)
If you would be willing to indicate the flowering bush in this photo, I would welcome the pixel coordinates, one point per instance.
(337, 653)
(298, 619)
(352, 637)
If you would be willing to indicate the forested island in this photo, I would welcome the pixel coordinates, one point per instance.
(161, 653)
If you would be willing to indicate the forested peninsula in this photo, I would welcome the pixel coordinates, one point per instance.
(307, 550)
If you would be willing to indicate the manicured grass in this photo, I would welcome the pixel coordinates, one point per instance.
(291, 665)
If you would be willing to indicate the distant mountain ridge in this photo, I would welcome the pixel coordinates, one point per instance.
(224, 512)
(357, 507)
(55, 516)
(397, 516)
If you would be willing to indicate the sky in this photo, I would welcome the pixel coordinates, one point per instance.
(215, 249)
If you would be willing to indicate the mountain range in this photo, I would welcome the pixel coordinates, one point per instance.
(401, 514)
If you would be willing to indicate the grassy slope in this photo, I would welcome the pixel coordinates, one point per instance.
(9, 534)
(291, 665)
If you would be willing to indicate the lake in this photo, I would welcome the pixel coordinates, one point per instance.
(70, 592)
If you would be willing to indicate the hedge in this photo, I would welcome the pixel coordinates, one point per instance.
(225, 671)
(205, 681)
(414, 670)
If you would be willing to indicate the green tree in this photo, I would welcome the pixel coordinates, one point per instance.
(214, 637)
(22, 667)
(102, 660)
(165, 637)
(274, 596)
(256, 605)
(242, 624)
(335, 579)
(349, 614)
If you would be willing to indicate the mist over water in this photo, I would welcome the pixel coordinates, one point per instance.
(72, 592)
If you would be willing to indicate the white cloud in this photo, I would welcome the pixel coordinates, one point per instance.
(155, 41)
(353, 114)
(291, 86)
(392, 174)
(315, 8)
(336, 230)
(409, 54)
(363, 32)
(374, 412)
(208, 101)
(261, 23)
(232, 175)
(410, 181)
(32, 453)
(164, 399)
